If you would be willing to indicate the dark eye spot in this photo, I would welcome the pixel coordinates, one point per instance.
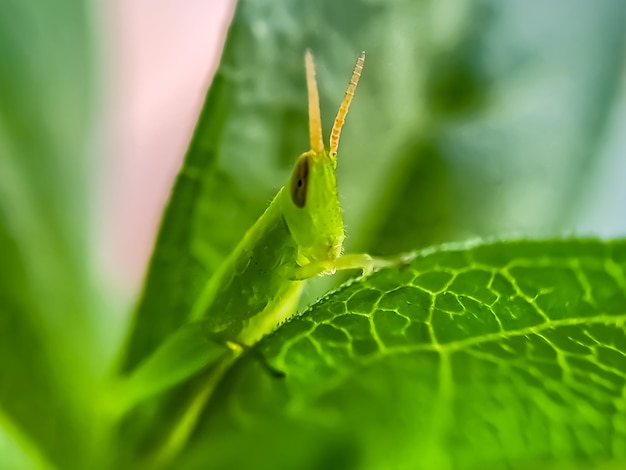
(300, 181)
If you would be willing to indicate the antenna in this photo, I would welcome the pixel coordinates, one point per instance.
(345, 104)
(315, 120)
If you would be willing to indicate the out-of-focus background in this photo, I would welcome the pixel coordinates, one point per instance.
(160, 57)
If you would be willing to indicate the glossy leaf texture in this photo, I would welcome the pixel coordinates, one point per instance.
(500, 355)
(471, 119)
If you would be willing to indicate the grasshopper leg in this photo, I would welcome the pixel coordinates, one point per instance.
(361, 261)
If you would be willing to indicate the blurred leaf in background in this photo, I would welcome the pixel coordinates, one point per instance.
(50, 348)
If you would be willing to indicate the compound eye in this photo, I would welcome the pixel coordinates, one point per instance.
(300, 181)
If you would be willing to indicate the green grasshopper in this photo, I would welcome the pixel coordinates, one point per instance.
(257, 287)
(299, 236)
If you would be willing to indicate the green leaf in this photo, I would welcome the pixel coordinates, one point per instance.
(49, 349)
(28, 386)
(502, 355)
(15, 453)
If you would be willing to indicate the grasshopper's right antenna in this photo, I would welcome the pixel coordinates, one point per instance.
(345, 105)
(315, 120)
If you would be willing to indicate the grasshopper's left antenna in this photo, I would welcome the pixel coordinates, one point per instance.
(345, 105)
(315, 120)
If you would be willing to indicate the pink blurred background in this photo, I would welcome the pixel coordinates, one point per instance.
(160, 59)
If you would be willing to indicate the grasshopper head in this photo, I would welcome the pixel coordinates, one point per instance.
(313, 213)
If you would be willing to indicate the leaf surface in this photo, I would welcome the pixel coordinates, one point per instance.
(510, 354)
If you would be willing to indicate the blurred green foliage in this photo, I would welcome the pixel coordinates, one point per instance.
(472, 119)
